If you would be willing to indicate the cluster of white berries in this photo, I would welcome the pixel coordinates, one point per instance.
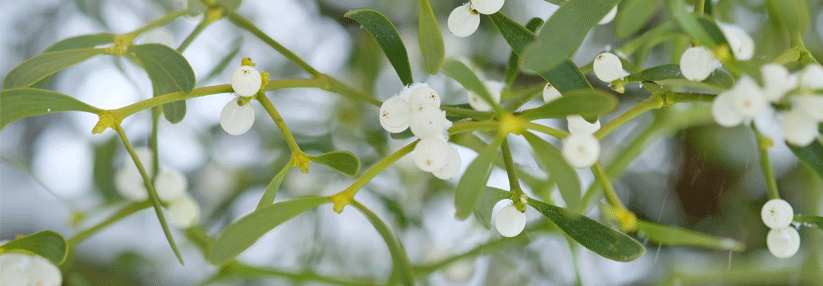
(237, 116)
(171, 188)
(697, 63)
(465, 19)
(18, 269)
(608, 68)
(783, 240)
(581, 149)
(746, 99)
(510, 221)
(418, 107)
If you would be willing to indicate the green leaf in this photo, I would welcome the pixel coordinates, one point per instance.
(689, 23)
(812, 155)
(793, 15)
(344, 161)
(468, 191)
(104, 170)
(670, 235)
(431, 41)
(591, 234)
(585, 102)
(466, 77)
(484, 209)
(47, 243)
(558, 168)
(400, 261)
(79, 42)
(169, 72)
(810, 220)
(515, 34)
(384, 32)
(43, 65)
(711, 28)
(566, 77)
(633, 15)
(563, 33)
(513, 66)
(274, 185)
(19, 103)
(240, 235)
(718, 78)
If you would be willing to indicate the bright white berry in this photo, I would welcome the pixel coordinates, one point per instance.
(510, 221)
(395, 114)
(130, 185)
(777, 213)
(170, 185)
(724, 112)
(495, 89)
(747, 97)
(463, 21)
(607, 67)
(812, 105)
(577, 124)
(42, 272)
(246, 81)
(427, 120)
(13, 267)
(452, 166)
(183, 211)
(783, 242)
(697, 63)
(424, 95)
(741, 44)
(236, 119)
(609, 16)
(487, 6)
(811, 77)
(776, 81)
(431, 154)
(550, 93)
(581, 150)
(798, 128)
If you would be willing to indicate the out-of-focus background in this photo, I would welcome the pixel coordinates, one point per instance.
(56, 175)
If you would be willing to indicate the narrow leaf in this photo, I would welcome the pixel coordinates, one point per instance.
(169, 72)
(591, 234)
(344, 161)
(689, 23)
(558, 168)
(47, 243)
(810, 220)
(469, 80)
(271, 189)
(431, 41)
(711, 28)
(718, 78)
(384, 32)
(513, 66)
(469, 189)
(43, 65)
(811, 155)
(240, 235)
(484, 209)
(400, 260)
(79, 42)
(515, 34)
(585, 102)
(793, 15)
(670, 235)
(19, 103)
(633, 15)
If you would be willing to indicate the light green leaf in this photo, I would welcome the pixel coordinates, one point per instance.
(79, 42)
(563, 33)
(240, 235)
(811, 155)
(810, 220)
(558, 168)
(484, 209)
(47, 243)
(585, 102)
(633, 15)
(169, 72)
(466, 77)
(670, 235)
(344, 161)
(274, 185)
(468, 191)
(384, 32)
(711, 28)
(793, 15)
(591, 234)
(689, 23)
(718, 78)
(431, 41)
(43, 65)
(400, 261)
(19, 103)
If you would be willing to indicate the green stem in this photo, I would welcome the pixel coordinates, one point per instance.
(341, 88)
(153, 144)
(653, 102)
(469, 126)
(548, 130)
(344, 197)
(508, 161)
(264, 101)
(699, 7)
(466, 113)
(608, 189)
(763, 145)
(122, 213)
(251, 271)
(485, 248)
(159, 22)
(189, 39)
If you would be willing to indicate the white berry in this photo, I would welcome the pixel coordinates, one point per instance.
(487, 6)
(811, 76)
(776, 81)
(427, 120)
(246, 81)
(510, 221)
(431, 154)
(577, 124)
(424, 95)
(236, 119)
(13, 267)
(747, 97)
(783, 242)
(550, 93)
(183, 211)
(495, 89)
(463, 21)
(170, 185)
(777, 213)
(741, 44)
(609, 16)
(130, 185)
(581, 150)
(42, 272)
(607, 67)
(395, 114)
(798, 128)
(697, 63)
(724, 112)
(452, 166)
(812, 105)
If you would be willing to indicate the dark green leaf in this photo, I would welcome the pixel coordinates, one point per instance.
(591, 234)
(558, 168)
(563, 33)
(400, 261)
(384, 32)
(274, 185)
(469, 189)
(169, 72)
(810, 220)
(633, 15)
(513, 66)
(566, 77)
(670, 235)
(431, 41)
(585, 102)
(466, 77)
(812, 155)
(718, 78)
(484, 209)
(240, 235)
(19, 103)
(689, 23)
(43, 65)
(793, 15)
(712, 29)
(344, 161)
(47, 243)
(515, 34)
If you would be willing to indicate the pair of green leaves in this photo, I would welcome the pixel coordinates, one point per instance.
(47, 243)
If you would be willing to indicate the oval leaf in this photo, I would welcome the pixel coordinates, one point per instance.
(240, 235)
(471, 185)
(484, 209)
(558, 168)
(344, 161)
(43, 65)
(400, 260)
(670, 235)
(689, 23)
(591, 234)
(633, 15)
(169, 72)
(585, 102)
(812, 155)
(19, 103)
(47, 243)
(431, 41)
(469, 80)
(384, 32)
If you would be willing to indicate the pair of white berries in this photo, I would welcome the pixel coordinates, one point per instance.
(698, 63)
(581, 149)
(465, 19)
(171, 188)
(783, 240)
(510, 221)
(237, 115)
(18, 269)
(418, 107)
